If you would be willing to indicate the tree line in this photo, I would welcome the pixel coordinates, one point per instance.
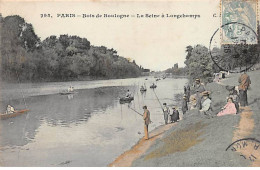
(199, 63)
(56, 58)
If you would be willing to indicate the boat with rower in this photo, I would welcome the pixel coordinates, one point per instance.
(153, 86)
(143, 89)
(13, 114)
(66, 92)
(126, 99)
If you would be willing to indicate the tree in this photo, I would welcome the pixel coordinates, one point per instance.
(175, 66)
(199, 63)
(188, 51)
(58, 58)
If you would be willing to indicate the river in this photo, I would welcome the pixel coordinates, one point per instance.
(88, 128)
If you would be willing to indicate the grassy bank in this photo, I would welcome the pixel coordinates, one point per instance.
(199, 141)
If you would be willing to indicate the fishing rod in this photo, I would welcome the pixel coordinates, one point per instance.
(158, 100)
(138, 112)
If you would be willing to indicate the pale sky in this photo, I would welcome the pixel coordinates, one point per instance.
(155, 43)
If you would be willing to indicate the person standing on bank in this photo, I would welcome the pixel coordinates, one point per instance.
(184, 107)
(166, 112)
(245, 82)
(199, 87)
(188, 93)
(185, 89)
(147, 121)
(175, 115)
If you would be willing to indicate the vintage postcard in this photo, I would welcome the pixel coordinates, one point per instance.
(140, 83)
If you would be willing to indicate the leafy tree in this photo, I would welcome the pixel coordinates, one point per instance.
(199, 63)
(56, 58)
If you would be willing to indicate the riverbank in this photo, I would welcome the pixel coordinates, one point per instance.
(201, 141)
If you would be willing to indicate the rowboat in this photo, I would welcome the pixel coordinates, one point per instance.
(66, 93)
(153, 86)
(126, 99)
(14, 114)
(143, 89)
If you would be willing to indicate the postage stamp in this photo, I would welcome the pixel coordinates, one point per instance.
(242, 12)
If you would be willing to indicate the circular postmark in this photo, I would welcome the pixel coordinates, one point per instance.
(238, 51)
(248, 148)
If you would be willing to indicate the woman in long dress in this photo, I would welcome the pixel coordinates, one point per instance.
(229, 108)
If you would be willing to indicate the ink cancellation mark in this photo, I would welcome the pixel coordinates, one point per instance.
(238, 11)
(249, 148)
(238, 56)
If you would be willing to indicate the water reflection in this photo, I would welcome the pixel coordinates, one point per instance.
(56, 110)
(70, 96)
(88, 128)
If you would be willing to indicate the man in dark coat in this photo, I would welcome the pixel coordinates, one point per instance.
(185, 89)
(175, 115)
(184, 104)
(198, 97)
(188, 93)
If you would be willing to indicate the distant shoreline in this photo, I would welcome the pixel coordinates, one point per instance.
(69, 80)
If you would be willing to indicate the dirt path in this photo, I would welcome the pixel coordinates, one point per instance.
(245, 126)
(245, 129)
(127, 158)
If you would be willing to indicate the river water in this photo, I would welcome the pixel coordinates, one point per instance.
(88, 128)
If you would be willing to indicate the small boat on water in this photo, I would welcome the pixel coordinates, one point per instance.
(126, 99)
(66, 93)
(153, 86)
(143, 89)
(14, 114)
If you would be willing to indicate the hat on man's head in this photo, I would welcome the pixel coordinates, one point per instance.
(173, 107)
(164, 103)
(198, 80)
(206, 93)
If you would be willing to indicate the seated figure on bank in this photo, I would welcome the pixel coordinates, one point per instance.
(9, 109)
(229, 108)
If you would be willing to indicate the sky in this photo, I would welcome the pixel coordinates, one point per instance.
(154, 43)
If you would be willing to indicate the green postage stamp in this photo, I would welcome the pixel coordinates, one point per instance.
(239, 21)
